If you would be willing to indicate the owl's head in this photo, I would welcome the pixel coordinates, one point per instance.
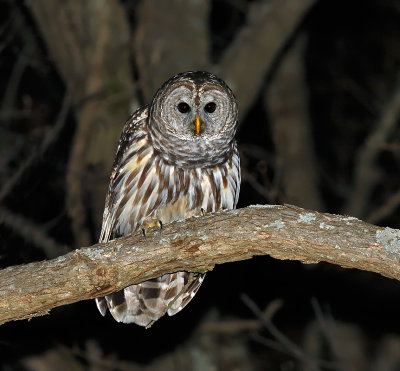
(194, 111)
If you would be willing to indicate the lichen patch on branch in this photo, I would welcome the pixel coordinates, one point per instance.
(389, 238)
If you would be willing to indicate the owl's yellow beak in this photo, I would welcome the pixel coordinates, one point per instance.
(197, 124)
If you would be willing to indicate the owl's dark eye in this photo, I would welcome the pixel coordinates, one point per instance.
(183, 107)
(210, 107)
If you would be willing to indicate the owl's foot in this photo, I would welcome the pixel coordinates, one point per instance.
(150, 223)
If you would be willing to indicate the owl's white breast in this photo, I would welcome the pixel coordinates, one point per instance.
(167, 195)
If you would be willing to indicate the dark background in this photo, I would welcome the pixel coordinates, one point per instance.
(319, 97)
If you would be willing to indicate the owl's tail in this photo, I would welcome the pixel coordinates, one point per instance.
(148, 301)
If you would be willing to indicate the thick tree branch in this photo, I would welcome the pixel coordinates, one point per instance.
(198, 244)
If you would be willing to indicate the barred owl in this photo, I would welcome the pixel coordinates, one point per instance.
(176, 158)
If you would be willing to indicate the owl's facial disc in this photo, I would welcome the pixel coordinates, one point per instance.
(193, 119)
(192, 112)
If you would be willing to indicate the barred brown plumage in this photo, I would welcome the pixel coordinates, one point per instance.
(171, 165)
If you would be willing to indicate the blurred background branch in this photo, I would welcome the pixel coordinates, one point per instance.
(84, 49)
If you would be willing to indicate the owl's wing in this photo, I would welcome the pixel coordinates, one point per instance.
(131, 132)
(115, 193)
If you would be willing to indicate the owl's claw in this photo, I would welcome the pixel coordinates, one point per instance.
(202, 211)
(149, 223)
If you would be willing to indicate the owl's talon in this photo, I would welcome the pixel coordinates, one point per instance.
(150, 324)
(202, 211)
(150, 223)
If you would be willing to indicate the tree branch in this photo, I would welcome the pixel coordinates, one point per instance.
(197, 245)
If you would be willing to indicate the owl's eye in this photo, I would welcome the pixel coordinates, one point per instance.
(183, 107)
(210, 107)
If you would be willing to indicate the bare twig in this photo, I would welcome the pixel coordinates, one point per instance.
(326, 328)
(283, 343)
(257, 176)
(293, 348)
(84, 50)
(366, 173)
(14, 80)
(230, 327)
(197, 245)
(246, 61)
(287, 101)
(24, 60)
(339, 341)
(50, 138)
(240, 325)
(31, 232)
(387, 209)
(258, 187)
